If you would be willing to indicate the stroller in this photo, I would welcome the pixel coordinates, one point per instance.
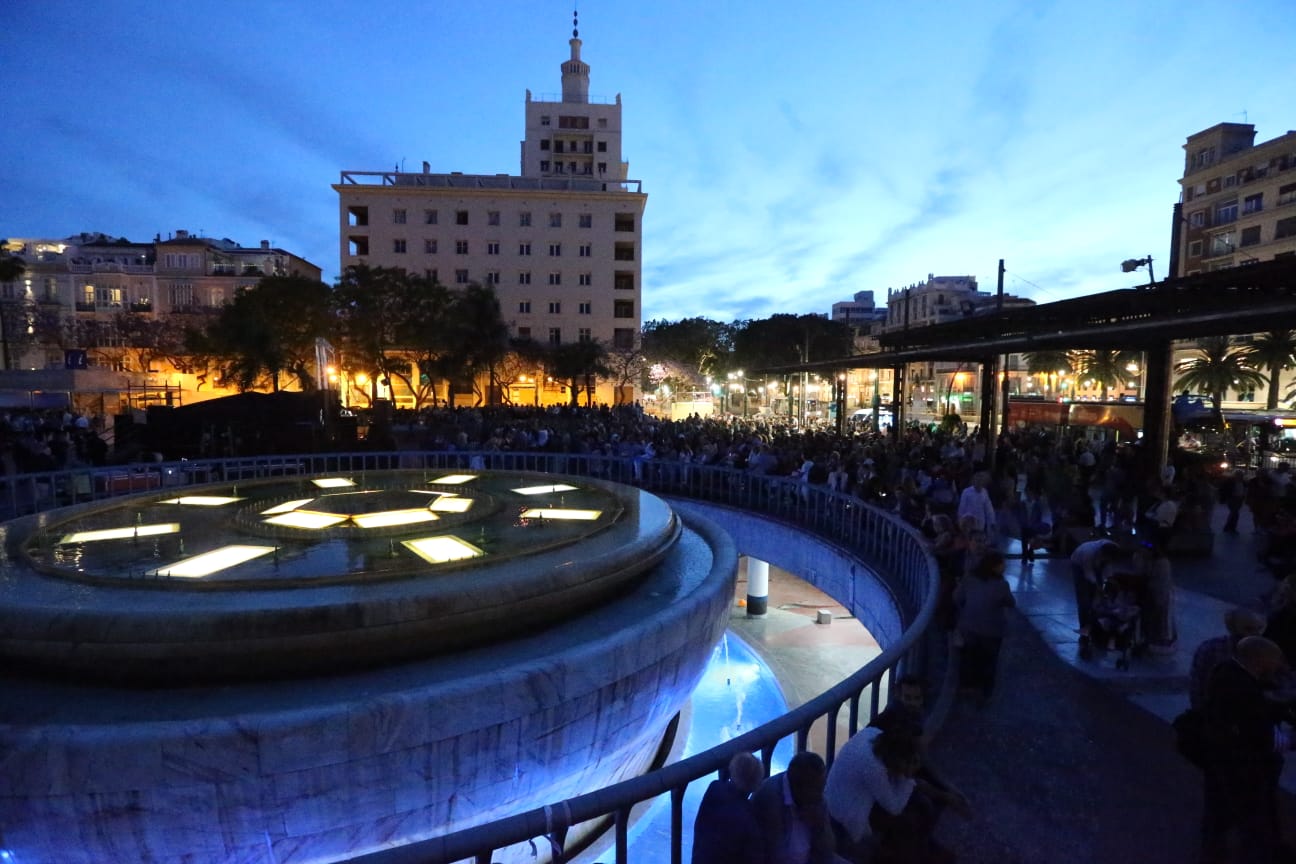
(1116, 619)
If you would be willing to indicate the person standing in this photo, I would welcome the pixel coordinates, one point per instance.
(1244, 756)
(981, 600)
(793, 817)
(976, 507)
(725, 830)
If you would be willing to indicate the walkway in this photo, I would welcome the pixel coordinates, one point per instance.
(1072, 760)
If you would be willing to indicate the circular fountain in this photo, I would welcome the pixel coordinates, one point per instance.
(325, 666)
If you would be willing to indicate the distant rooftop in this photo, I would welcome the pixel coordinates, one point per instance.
(458, 180)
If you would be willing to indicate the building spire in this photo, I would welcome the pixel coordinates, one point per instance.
(575, 72)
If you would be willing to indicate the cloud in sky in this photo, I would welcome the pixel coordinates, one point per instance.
(791, 157)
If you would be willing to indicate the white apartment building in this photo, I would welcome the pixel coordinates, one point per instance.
(560, 242)
(1239, 199)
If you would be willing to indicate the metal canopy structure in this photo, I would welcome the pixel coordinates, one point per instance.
(1249, 299)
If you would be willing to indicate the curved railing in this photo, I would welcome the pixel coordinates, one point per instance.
(887, 546)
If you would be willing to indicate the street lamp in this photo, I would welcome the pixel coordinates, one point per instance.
(1129, 265)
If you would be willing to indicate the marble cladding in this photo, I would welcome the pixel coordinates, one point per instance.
(343, 776)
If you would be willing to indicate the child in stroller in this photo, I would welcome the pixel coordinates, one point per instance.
(1116, 617)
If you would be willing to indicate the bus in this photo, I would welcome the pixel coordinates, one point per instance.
(1261, 438)
(1199, 428)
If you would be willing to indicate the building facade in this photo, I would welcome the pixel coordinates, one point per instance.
(561, 243)
(1239, 199)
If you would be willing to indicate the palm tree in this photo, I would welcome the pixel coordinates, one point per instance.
(1106, 366)
(1049, 362)
(1273, 351)
(1217, 366)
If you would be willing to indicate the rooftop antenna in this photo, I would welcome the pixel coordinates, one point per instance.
(575, 22)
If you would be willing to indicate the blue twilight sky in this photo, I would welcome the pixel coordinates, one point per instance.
(792, 154)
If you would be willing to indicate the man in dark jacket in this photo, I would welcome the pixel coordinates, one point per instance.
(793, 816)
(1246, 742)
(726, 830)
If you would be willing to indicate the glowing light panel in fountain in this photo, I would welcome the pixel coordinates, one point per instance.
(451, 504)
(286, 507)
(202, 500)
(438, 550)
(212, 562)
(306, 519)
(121, 533)
(388, 518)
(454, 479)
(333, 482)
(544, 490)
(560, 513)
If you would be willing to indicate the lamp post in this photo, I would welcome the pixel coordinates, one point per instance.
(1129, 265)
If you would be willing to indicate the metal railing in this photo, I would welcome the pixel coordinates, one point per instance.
(879, 540)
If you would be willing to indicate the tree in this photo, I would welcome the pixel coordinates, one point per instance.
(1050, 362)
(387, 320)
(1105, 366)
(579, 361)
(694, 346)
(1273, 351)
(626, 368)
(1216, 366)
(268, 330)
(785, 340)
(145, 340)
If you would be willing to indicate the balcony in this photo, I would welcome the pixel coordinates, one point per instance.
(141, 306)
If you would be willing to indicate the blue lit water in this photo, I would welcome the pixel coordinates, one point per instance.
(737, 693)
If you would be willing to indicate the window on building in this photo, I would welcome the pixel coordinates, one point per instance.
(1253, 203)
(623, 280)
(1250, 236)
(398, 216)
(492, 248)
(587, 279)
(433, 274)
(461, 247)
(588, 148)
(602, 146)
(1195, 249)
(357, 216)
(555, 220)
(587, 220)
(524, 277)
(558, 168)
(492, 277)
(544, 166)
(1285, 228)
(584, 334)
(1230, 180)
(586, 250)
(623, 338)
(358, 245)
(1287, 194)
(602, 122)
(1226, 212)
(524, 332)
(544, 119)
(1197, 219)
(585, 308)
(572, 167)
(1222, 244)
(624, 222)
(461, 277)
(524, 220)
(180, 295)
(555, 307)
(555, 335)
(524, 307)
(398, 246)
(493, 217)
(558, 147)
(555, 250)
(429, 217)
(602, 168)
(524, 248)
(555, 278)
(570, 122)
(624, 252)
(623, 308)
(461, 217)
(544, 143)
(429, 247)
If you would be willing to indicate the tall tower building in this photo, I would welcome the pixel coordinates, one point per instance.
(561, 242)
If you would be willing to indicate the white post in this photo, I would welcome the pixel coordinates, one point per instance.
(757, 587)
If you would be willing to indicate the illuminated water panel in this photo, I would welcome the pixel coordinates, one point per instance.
(212, 562)
(454, 479)
(544, 490)
(332, 482)
(438, 550)
(202, 500)
(287, 506)
(559, 513)
(121, 533)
